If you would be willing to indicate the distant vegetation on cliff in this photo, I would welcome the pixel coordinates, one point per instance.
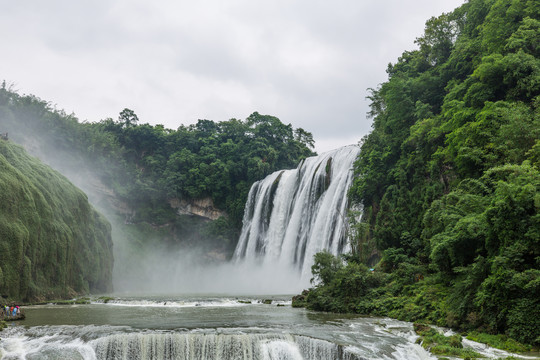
(53, 244)
(449, 179)
(145, 166)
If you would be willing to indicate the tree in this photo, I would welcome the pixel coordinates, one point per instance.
(128, 118)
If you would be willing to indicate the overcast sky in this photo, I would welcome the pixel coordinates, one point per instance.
(309, 63)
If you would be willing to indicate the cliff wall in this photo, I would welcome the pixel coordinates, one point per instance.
(52, 242)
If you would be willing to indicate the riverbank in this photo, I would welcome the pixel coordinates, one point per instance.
(407, 297)
(17, 317)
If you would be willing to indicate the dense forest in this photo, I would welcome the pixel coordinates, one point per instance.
(147, 167)
(449, 181)
(53, 243)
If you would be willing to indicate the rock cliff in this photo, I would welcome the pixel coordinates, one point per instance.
(200, 207)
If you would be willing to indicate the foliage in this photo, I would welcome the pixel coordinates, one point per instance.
(325, 267)
(499, 341)
(340, 285)
(148, 166)
(53, 243)
(440, 344)
(449, 179)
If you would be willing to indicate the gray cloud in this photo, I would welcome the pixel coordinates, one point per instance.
(173, 62)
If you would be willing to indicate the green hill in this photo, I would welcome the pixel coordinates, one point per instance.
(53, 244)
(144, 177)
(449, 181)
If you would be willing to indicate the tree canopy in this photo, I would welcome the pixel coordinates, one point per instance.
(448, 177)
(148, 165)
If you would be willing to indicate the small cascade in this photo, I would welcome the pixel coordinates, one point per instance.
(293, 214)
(165, 346)
(359, 339)
(109, 343)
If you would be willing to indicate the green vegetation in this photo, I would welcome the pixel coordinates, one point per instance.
(139, 172)
(77, 301)
(53, 244)
(147, 167)
(105, 299)
(442, 345)
(209, 159)
(449, 180)
(499, 341)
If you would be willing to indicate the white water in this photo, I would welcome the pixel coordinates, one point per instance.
(63, 344)
(202, 302)
(217, 347)
(206, 327)
(163, 328)
(293, 214)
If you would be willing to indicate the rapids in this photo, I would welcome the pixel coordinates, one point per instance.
(206, 327)
(203, 327)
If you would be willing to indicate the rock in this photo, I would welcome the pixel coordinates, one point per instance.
(200, 207)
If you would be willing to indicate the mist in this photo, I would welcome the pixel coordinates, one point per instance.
(190, 271)
(153, 266)
(157, 267)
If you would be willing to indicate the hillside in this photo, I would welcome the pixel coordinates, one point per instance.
(162, 190)
(449, 181)
(153, 174)
(53, 244)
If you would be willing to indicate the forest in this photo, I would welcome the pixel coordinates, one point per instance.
(146, 166)
(449, 181)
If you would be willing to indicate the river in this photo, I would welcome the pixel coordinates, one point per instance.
(203, 327)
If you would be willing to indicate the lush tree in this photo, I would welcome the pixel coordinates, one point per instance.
(448, 177)
(148, 166)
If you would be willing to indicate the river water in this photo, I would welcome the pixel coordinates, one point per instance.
(203, 327)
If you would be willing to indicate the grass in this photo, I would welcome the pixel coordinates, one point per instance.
(441, 345)
(499, 341)
(105, 299)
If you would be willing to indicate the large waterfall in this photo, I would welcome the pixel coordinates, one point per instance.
(293, 214)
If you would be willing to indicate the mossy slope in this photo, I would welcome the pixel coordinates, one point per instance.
(52, 242)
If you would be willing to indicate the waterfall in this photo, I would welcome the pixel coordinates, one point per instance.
(159, 346)
(293, 214)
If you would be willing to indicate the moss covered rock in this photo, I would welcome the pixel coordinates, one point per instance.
(52, 242)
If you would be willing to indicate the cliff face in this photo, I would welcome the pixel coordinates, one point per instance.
(200, 207)
(52, 242)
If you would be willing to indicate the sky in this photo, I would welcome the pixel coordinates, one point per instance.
(309, 63)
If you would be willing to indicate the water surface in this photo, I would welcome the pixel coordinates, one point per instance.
(203, 327)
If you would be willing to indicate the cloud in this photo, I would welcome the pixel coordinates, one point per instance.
(173, 62)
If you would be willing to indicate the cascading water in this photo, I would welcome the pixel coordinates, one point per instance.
(64, 344)
(209, 328)
(218, 347)
(293, 214)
